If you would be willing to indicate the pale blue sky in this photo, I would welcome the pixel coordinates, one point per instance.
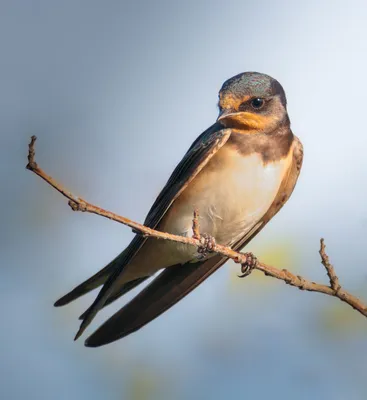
(116, 92)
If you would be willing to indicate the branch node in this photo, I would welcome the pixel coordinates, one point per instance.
(288, 277)
(302, 282)
(81, 206)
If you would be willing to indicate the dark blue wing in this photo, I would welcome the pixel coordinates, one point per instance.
(200, 152)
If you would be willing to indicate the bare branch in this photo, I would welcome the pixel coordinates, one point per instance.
(335, 290)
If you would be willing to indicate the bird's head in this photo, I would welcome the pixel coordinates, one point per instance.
(252, 103)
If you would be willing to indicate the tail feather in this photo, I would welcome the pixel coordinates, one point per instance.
(92, 283)
(123, 290)
(167, 289)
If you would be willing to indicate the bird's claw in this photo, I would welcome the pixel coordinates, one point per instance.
(207, 245)
(248, 266)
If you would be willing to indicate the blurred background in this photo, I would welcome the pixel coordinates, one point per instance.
(116, 92)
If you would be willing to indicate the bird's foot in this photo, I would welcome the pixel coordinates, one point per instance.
(207, 245)
(248, 266)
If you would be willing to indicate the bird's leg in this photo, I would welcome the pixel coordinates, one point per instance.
(207, 245)
(248, 266)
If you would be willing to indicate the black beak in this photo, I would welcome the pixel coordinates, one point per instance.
(227, 112)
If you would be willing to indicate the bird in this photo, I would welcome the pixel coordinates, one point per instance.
(237, 174)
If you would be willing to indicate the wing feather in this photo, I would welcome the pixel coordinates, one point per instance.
(200, 152)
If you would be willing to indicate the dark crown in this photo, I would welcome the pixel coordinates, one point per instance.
(253, 84)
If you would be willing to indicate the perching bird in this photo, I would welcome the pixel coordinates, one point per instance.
(237, 174)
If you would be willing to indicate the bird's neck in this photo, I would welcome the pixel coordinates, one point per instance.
(271, 146)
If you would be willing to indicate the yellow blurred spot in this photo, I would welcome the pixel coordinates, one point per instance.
(143, 384)
(281, 253)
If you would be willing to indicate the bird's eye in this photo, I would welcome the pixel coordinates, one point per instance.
(257, 103)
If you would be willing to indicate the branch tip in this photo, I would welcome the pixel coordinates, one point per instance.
(32, 165)
(333, 278)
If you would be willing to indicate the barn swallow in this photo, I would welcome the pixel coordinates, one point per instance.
(237, 174)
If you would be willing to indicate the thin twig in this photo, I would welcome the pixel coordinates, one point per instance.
(195, 225)
(335, 290)
(334, 280)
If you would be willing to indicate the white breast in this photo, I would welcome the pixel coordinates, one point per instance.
(232, 194)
